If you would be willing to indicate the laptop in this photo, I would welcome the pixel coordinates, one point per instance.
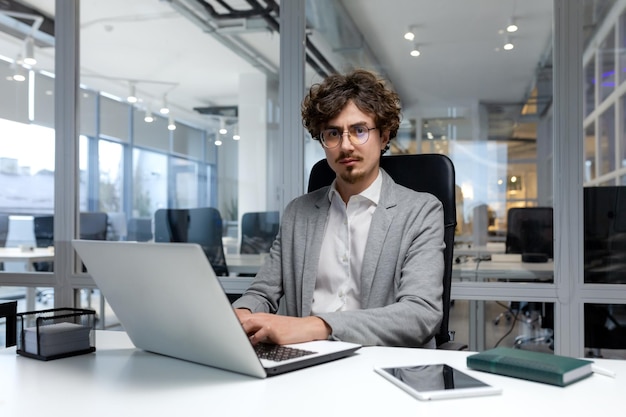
(169, 301)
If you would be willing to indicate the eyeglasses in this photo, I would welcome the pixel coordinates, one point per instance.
(357, 134)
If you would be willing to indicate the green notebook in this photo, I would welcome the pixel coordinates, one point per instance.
(530, 365)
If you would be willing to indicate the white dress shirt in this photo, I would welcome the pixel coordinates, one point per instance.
(341, 258)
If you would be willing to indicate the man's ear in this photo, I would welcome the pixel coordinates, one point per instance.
(384, 139)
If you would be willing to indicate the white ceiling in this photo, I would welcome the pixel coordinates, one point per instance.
(462, 60)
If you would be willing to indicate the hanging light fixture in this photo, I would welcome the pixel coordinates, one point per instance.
(170, 124)
(508, 44)
(29, 51)
(415, 51)
(164, 108)
(409, 35)
(132, 94)
(236, 133)
(218, 142)
(149, 118)
(19, 73)
(511, 26)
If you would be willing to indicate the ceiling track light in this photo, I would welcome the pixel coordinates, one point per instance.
(19, 73)
(29, 51)
(511, 26)
(149, 118)
(132, 94)
(415, 52)
(164, 107)
(508, 44)
(409, 35)
(171, 125)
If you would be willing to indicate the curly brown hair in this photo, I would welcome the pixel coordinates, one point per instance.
(368, 92)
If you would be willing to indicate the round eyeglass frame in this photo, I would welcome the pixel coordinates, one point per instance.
(354, 142)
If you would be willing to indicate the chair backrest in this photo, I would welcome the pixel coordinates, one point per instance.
(139, 229)
(258, 231)
(432, 173)
(93, 225)
(529, 230)
(43, 227)
(202, 225)
(4, 229)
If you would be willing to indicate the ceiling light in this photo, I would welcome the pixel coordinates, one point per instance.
(132, 97)
(415, 51)
(409, 35)
(508, 44)
(218, 142)
(236, 137)
(19, 73)
(170, 124)
(148, 118)
(223, 131)
(164, 108)
(511, 26)
(29, 51)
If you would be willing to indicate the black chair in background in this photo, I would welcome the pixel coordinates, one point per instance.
(4, 232)
(432, 173)
(93, 226)
(258, 231)
(139, 229)
(530, 233)
(8, 310)
(605, 263)
(201, 225)
(44, 237)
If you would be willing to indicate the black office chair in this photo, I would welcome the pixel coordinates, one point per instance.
(258, 231)
(93, 226)
(530, 233)
(432, 173)
(201, 225)
(4, 232)
(43, 227)
(139, 229)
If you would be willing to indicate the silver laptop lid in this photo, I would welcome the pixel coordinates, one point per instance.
(170, 302)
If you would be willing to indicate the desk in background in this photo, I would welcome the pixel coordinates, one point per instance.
(28, 258)
(119, 380)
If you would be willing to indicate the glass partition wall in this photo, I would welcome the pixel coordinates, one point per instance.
(179, 109)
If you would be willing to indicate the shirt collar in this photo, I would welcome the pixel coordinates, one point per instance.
(371, 193)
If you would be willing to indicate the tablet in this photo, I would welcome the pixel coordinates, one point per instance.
(436, 381)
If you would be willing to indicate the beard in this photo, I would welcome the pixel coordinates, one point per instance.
(350, 175)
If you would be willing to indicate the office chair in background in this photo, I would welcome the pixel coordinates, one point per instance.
(139, 229)
(201, 225)
(530, 233)
(432, 173)
(258, 231)
(4, 232)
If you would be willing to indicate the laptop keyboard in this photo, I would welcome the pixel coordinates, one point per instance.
(279, 353)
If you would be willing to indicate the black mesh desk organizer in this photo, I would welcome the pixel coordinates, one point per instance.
(56, 333)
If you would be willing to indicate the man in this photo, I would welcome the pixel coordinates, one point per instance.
(362, 259)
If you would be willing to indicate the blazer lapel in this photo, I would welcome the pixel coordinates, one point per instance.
(315, 231)
(378, 234)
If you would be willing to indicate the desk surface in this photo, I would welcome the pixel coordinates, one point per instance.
(119, 380)
(34, 255)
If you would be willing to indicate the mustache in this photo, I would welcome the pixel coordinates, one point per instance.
(344, 155)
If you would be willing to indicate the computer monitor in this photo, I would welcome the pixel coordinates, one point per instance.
(605, 234)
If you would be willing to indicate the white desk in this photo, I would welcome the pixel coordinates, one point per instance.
(118, 380)
(28, 258)
(239, 263)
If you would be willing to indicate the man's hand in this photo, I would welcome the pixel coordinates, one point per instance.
(263, 327)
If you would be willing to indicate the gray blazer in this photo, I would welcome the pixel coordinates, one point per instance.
(401, 282)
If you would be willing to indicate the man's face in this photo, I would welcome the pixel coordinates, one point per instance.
(356, 166)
